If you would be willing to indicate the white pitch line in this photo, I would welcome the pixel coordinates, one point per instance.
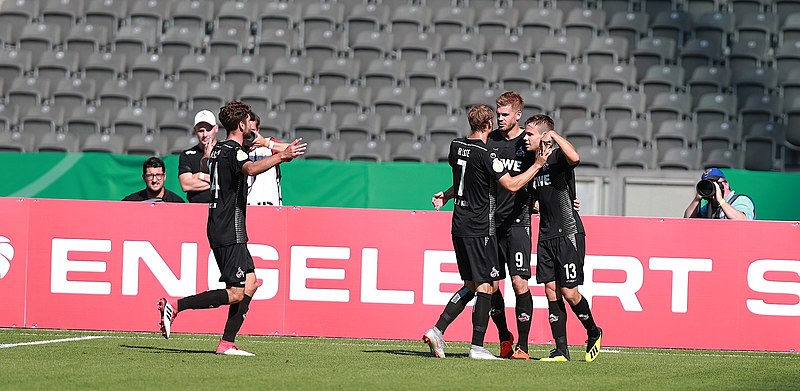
(293, 340)
(11, 345)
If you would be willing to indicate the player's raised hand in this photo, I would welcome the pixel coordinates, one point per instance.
(208, 145)
(545, 149)
(295, 149)
(438, 200)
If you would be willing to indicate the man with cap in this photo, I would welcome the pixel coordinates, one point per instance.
(193, 180)
(724, 204)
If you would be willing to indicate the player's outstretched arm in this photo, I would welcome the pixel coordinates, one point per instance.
(278, 146)
(514, 183)
(296, 148)
(269, 142)
(440, 199)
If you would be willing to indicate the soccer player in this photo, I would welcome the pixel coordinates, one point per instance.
(561, 248)
(514, 215)
(264, 189)
(507, 143)
(229, 167)
(475, 177)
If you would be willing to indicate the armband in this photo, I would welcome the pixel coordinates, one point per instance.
(271, 143)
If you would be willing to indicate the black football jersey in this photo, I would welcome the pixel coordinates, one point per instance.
(226, 211)
(189, 161)
(513, 209)
(475, 177)
(554, 188)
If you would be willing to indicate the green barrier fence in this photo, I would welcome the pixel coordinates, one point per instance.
(102, 176)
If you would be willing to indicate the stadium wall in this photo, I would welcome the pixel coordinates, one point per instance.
(370, 273)
(407, 186)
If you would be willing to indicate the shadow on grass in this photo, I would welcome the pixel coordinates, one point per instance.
(402, 352)
(154, 349)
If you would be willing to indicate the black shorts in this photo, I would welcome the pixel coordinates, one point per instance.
(514, 250)
(561, 260)
(477, 259)
(234, 263)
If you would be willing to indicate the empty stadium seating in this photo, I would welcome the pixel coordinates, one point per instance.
(684, 68)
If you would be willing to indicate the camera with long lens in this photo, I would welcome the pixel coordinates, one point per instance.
(708, 188)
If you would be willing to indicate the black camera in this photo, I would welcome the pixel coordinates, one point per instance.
(707, 188)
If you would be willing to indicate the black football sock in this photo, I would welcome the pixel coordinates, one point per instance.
(207, 299)
(499, 316)
(584, 314)
(558, 323)
(480, 317)
(236, 316)
(454, 308)
(524, 311)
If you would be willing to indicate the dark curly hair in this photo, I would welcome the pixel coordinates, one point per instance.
(232, 114)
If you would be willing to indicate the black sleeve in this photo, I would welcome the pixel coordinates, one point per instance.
(561, 158)
(184, 164)
(238, 158)
(533, 198)
(495, 166)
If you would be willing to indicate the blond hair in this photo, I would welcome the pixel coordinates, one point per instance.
(479, 116)
(510, 98)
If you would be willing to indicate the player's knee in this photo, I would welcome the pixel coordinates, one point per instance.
(250, 290)
(571, 295)
(520, 285)
(236, 296)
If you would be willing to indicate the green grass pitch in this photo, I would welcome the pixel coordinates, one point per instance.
(33, 359)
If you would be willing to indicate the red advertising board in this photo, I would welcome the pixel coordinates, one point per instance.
(387, 274)
(13, 260)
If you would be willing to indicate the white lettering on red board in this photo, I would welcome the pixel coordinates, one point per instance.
(330, 265)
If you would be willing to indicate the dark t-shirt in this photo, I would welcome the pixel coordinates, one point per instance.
(227, 209)
(475, 177)
(554, 187)
(513, 209)
(141, 195)
(189, 162)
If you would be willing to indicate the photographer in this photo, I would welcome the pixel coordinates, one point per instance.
(722, 202)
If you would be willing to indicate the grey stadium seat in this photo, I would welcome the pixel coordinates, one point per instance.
(414, 151)
(369, 150)
(72, 93)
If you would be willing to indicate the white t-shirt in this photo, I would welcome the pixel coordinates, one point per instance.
(264, 188)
